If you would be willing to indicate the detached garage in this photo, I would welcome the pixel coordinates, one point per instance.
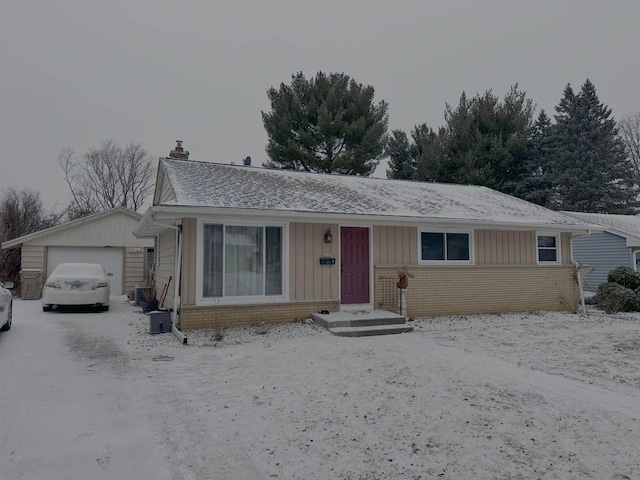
(105, 238)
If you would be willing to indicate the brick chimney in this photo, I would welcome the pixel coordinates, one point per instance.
(179, 152)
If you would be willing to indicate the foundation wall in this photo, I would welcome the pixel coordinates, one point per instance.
(478, 289)
(228, 316)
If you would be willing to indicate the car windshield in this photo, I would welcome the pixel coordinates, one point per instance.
(80, 269)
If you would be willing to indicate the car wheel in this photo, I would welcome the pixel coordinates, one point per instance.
(47, 308)
(7, 325)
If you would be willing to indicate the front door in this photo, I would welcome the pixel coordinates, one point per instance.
(354, 262)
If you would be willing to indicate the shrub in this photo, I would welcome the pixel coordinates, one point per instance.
(624, 276)
(634, 304)
(612, 297)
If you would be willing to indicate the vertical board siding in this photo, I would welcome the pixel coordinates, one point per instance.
(504, 247)
(309, 266)
(165, 267)
(308, 280)
(602, 252)
(395, 245)
(398, 246)
(297, 264)
(188, 274)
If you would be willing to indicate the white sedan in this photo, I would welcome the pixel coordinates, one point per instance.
(6, 305)
(77, 284)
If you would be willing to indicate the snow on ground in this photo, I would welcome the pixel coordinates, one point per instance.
(519, 396)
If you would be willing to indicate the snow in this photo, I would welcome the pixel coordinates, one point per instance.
(625, 225)
(534, 395)
(205, 184)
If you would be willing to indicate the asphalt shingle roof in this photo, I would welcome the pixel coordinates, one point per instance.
(623, 224)
(206, 184)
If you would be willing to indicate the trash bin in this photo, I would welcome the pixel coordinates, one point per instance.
(160, 321)
(138, 293)
(30, 284)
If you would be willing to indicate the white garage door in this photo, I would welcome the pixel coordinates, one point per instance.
(109, 258)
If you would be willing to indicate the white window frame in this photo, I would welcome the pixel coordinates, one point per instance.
(248, 299)
(558, 248)
(446, 231)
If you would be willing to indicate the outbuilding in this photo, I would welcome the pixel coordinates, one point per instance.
(105, 238)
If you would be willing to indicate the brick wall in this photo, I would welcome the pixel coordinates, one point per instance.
(227, 316)
(478, 289)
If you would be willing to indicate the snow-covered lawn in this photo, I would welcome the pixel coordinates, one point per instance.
(540, 395)
(521, 396)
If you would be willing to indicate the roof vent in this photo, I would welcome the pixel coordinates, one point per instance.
(179, 152)
(247, 161)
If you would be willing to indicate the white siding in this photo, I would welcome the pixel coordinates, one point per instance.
(165, 267)
(114, 230)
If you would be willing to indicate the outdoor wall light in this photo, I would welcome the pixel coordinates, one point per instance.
(328, 238)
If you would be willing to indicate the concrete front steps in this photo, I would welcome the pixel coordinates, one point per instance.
(361, 323)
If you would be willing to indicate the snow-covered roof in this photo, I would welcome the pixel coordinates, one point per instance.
(16, 242)
(627, 226)
(220, 186)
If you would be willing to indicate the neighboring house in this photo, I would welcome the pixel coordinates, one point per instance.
(106, 238)
(246, 245)
(616, 246)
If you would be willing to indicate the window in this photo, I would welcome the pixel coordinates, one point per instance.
(149, 265)
(242, 261)
(548, 248)
(453, 246)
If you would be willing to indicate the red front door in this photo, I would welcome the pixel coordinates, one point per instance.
(354, 261)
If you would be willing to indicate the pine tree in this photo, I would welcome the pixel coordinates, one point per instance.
(402, 164)
(587, 162)
(329, 123)
(431, 165)
(485, 142)
(537, 183)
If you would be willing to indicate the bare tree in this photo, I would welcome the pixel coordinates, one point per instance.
(107, 177)
(21, 213)
(629, 128)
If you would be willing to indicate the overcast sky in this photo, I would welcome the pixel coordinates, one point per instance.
(74, 73)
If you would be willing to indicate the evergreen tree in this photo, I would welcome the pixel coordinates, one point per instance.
(485, 142)
(537, 183)
(457, 162)
(402, 164)
(431, 165)
(415, 159)
(587, 160)
(329, 123)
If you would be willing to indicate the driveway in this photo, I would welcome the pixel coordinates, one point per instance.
(69, 405)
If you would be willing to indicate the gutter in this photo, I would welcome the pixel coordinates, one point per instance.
(366, 219)
(582, 302)
(176, 288)
(578, 276)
